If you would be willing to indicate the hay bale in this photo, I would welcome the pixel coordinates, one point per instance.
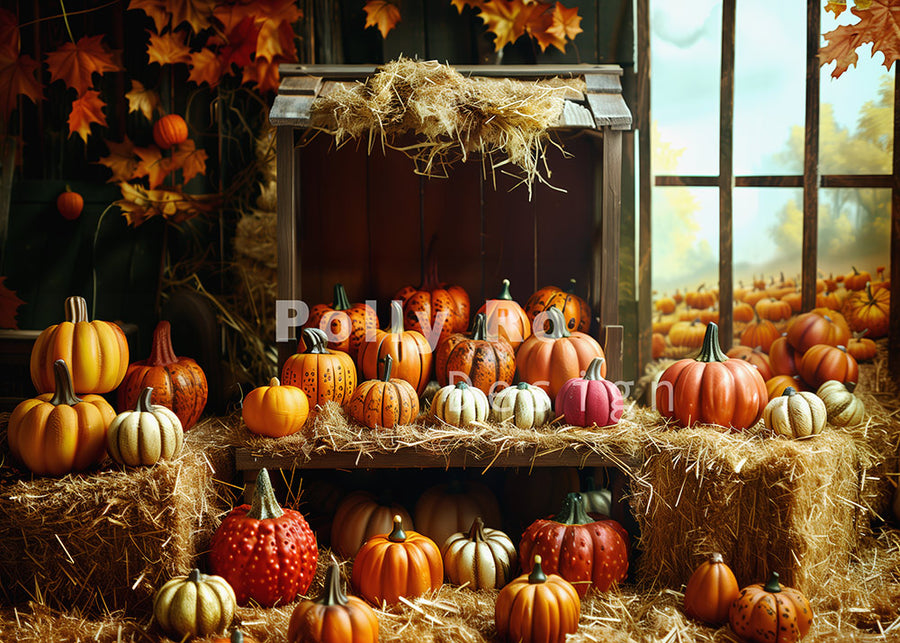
(106, 539)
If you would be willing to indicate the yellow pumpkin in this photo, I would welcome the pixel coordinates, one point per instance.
(275, 410)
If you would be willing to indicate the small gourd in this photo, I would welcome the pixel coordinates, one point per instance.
(710, 591)
(795, 415)
(482, 558)
(841, 405)
(194, 605)
(146, 435)
(460, 404)
(524, 405)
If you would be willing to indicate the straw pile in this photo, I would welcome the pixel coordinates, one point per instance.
(103, 540)
(451, 115)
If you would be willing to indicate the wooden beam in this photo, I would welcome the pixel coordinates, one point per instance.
(645, 187)
(726, 178)
(809, 260)
(287, 227)
(779, 181)
(894, 332)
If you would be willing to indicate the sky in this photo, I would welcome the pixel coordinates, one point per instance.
(769, 99)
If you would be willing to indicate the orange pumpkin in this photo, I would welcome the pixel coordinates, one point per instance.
(870, 309)
(170, 130)
(504, 318)
(346, 325)
(881, 282)
(435, 308)
(663, 325)
(813, 328)
(665, 305)
(386, 402)
(657, 345)
(444, 509)
(754, 297)
(550, 359)
(275, 410)
(360, 516)
(794, 300)
(400, 563)
(862, 348)
(710, 591)
(409, 350)
(823, 362)
(58, 433)
(323, 374)
(754, 356)
(96, 352)
(178, 383)
(70, 204)
(334, 617)
(475, 360)
(783, 357)
(712, 389)
(761, 332)
(773, 309)
(237, 636)
(687, 334)
(776, 385)
(575, 310)
(701, 298)
(770, 613)
(857, 280)
(828, 300)
(743, 312)
(537, 608)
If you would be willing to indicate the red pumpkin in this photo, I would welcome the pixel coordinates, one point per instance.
(761, 332)
(346, 325)
(169, 131)
(409, 350)
(590, 400)
(178, 383)
(754, 356)
(814, 328)
(475, 360)
(505, 319)
(435, 308)
(783, 357)
(266, 553)
(710, 591)
(823, 362)
(575, 310)
(70, 204)
(770, 613)
(586, 552)
(712, 389)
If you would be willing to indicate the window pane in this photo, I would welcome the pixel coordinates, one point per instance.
(769, 99)
(854, 230)
(768, 232)
(685, 49)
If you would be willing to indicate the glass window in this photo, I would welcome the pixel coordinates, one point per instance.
(854, 230)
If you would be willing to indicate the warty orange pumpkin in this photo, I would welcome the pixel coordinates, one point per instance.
(770, 613)
(345, 325)
(575, 310)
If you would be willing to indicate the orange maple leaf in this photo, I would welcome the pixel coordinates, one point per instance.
(143, 100)
(231, 13)
(197, 13)
(462, 4)
(86, 109)
(17, 78)
(152, 165)
(9, 306)
(189, 159)
(76, 63)
(382, 14)
(168, 49)
(139, 204)
(156, 9)
(276, 32)
(507, 19)
(878, 25)
(837, 7)
(121, 160)
(205, 67)
(263, 73)
(566, 22)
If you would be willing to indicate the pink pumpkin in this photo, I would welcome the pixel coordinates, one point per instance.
(589, 400)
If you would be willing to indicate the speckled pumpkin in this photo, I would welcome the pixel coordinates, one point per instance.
(345, 325)
(770, 613)
(574, 309)
(410, 352)
(323, 374)
(384, 402)
(473, 359)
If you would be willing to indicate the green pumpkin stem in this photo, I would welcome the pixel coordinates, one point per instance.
(162, 353)
(341, 301)
(504, 291)
(572, 512)
(522, 386)
(570, 289)
(194, 576)
(461, 385)
(537, 574)
(334, 593)
(790, 391)
(396, 325)
(772, 586)
(860, 335)
(557, 321)
(65, 392)
(315, 340)
(397, 534)
(593, 369)
(144, 400)
(476, 531)
(264, 505)
(478, 328)
(710, 351)
(237, 636)
(388, 366)
(76, 309)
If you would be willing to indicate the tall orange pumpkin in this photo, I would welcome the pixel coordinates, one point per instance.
(346, 325)
(334, 617)
(505, 318)
(410, 351)
(475, 360)
(96, 352)
(575, 310)
(434, 306)
(712, 389)
(710, 591)
(179, 383)
(323, 374)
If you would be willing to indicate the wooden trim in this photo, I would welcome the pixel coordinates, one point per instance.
(856, 181)
(287, 227)
(726, 178)
(607, 214)
(894, 332)
(810, 255)
(645, 189)
(510, 71)
(779, 181)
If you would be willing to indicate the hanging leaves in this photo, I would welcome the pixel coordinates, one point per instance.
(155, 9)
(879, 24)
(197, 13)
(76, 63)
(143, 100)
(121, 160)
(381, 14)
(86, 109)
(139, 204)
(168, 49)
(9, 306)
(205, 68)
(566, 23)
(17, 78)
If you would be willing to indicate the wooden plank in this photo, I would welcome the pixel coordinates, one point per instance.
(780, 181)
(575, 115)
(810, 258)
(288, 213)
(510, 71)
(894, 332)
(609, 110)
(603, 84)
(726, 178)
(608, 203)
(856, 181)
(300, 86)
(645, 187)
(613, 345)
(291, 110)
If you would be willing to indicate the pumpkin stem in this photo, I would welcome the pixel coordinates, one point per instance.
(861, 334)
(143, 402)
(710, 351)
(76, 309)
(397, 534)
(537, 574)
(396, 326)
(316, 341)
(264, 503)
(522, 386)
(504, 291)
(162, 353)
(476, 531)
(274, 382)
(237, 636)
(334, 593)
(790, 391)
(772, 586)
(570, 289)
(557, 321)
(716, 557)
(194, 575)
(388, 362)
(593, 369)
(65, 392)
(341, 301)
(478, 328)
(572, 512)
(461, 385)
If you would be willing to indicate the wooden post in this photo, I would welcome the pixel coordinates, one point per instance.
(287, 229)
(894, 332)
(726, 178)
(645, 187)
(809, 261)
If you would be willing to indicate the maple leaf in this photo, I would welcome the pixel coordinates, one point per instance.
(877, 25)
(189, 159)
(9, 306)
(152, 165)
(507, 19)
(121, 160)
(538, 27)
(168, 49)
(205, 67)
(837, 7)
(263, 73)
(197, 13)
(276, 33)
(382, 14)
(231, 13)
(17, 78)
(86, 109)
(143, 100)
(76, 63)
(9, 35)
(462, 4)
(566, 22)
(240, 44)
(156, 9)
(139, 204)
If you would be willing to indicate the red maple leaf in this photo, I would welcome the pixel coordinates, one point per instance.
(76, 63)
(156, 9)
(17, 78)
(86, 109)
(205, 67)
(168, 49)
(239, 44)
(9, 35)
(121, 160)
(9, 306)
(382, 14)
(879, 24)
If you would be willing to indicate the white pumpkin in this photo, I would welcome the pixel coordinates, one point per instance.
(146, 435)
(525, 405)
(795, 415)
(484, 558)
(842, 406)
(460, 404)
